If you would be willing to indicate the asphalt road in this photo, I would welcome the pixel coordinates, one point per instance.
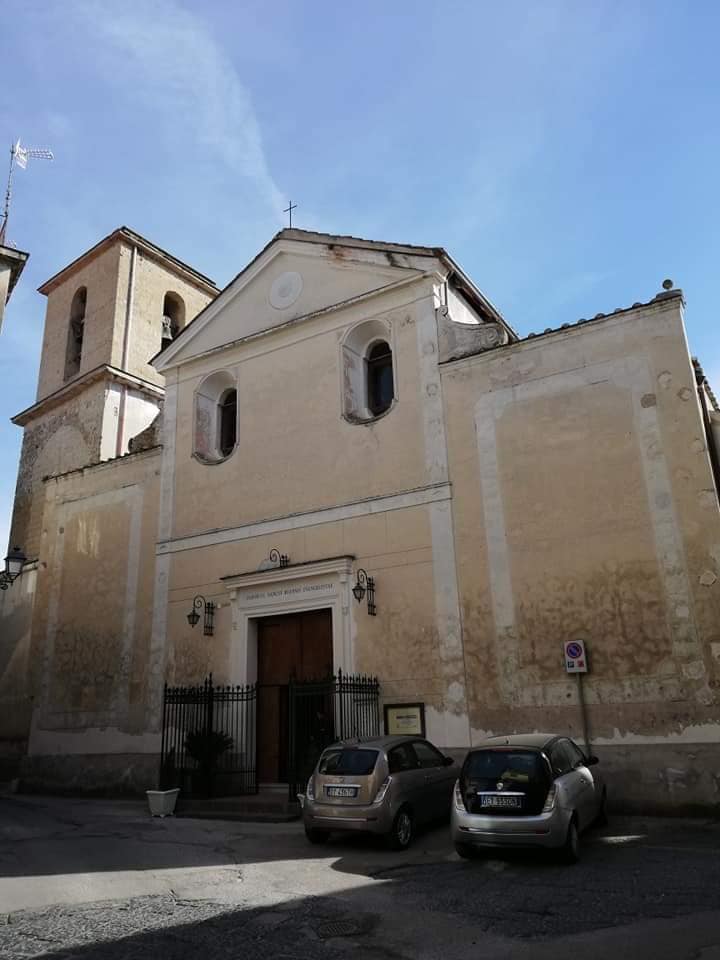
(92, 880)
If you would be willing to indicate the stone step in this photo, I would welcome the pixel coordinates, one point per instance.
(263, 807)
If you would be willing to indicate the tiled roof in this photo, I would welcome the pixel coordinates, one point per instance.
(665, 295)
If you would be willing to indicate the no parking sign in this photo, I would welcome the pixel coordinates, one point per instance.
(575, 656)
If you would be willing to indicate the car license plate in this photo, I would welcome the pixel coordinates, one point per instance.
(500, 801)
(341, 791)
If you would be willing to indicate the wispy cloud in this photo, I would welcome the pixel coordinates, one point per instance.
(167, 57)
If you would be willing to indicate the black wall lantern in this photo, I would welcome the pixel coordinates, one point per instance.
(14, 562)
(193, 617)
(365, 584)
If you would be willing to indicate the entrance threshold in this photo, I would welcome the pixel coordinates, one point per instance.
(269, 805)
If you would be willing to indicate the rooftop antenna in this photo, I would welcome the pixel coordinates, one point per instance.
(19, 157)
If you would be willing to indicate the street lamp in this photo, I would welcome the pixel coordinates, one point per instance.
(365, 584)
(14, 563)
(200, 603)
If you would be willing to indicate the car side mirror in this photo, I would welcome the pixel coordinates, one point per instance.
(448, 761)
(591, 761)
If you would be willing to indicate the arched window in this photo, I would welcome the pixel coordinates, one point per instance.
(173, 319)
(380, 388)
(368, 375)
(76, 332)
(227, 421)
(215, 433)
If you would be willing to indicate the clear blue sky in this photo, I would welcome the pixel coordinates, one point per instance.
(566, 153)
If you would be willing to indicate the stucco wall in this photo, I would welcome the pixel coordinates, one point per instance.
(152, 281)
(101, 278)
(16, 606)
(64, 438)
(402, 644)
(585, 507)
(92, 621)
(295, 451)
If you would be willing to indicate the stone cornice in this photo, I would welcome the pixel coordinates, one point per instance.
(76, 386)
(294, 571)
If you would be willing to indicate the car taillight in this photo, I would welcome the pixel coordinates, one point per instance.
(458, 797)
(380, 795)
(310, 789)
(550, 799)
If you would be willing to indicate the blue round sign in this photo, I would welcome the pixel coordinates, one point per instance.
(574, 650)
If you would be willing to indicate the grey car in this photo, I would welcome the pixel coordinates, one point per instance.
(527, 790)
(389, 786)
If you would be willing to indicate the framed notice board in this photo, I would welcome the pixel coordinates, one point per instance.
(406, 719)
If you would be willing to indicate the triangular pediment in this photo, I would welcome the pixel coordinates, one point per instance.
(290, 280)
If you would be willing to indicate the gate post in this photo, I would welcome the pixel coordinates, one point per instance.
(292, 720)
(209, 721)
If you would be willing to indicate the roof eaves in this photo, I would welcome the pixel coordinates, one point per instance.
(73, 387)
(133, 237)
(17, 260)
(668, 295)
(473, 293)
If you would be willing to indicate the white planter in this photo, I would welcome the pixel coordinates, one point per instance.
(162, 802)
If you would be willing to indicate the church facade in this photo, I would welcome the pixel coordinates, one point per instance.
(361, 410)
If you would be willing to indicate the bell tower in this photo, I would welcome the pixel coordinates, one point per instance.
(108, 313)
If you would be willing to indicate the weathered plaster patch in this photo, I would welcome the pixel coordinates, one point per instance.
(707, 578)
(694, 733)
(516, 686)
(707, 499)
(694, 670)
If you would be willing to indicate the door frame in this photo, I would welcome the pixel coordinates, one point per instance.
(323, 584)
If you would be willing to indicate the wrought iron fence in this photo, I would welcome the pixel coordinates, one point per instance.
(324, 711)
(210, 737)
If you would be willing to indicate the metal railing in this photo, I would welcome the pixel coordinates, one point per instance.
(210, 740)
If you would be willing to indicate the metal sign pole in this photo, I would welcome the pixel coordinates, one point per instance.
(584, 714)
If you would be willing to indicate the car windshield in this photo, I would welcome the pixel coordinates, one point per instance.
(353, 762)
(521, 767)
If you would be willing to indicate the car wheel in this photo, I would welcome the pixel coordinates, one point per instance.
(401, 833)
(602, 818)
(466, 851)
(570, 850)
(317, 836)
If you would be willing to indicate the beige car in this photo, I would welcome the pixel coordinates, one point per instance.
(388, 786)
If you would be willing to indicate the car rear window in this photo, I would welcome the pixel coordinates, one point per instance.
(521, 774)
(519, 768)
(357, 763)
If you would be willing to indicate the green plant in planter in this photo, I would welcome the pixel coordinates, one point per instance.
(206, 747)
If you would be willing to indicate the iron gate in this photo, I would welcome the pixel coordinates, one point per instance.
(324, 711)
(209, 733)
(209, 739)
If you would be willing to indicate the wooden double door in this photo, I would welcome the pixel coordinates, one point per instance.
(297, 645)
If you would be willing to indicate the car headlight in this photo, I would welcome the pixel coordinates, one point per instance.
(310, 789)
(384, 786)
(458, 798)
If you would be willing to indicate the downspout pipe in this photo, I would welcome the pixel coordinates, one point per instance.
(129, 303)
